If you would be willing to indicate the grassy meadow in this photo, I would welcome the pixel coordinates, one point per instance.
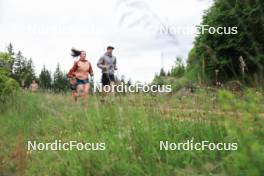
(132, 127)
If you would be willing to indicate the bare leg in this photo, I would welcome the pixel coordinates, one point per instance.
(74, 95)
(80, 90)
(86, 88)
(82, 94)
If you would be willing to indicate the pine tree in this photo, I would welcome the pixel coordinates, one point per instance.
(179, 69)
(10, 50)
(17, 65)
(45, 79)
(23, 70)
(162, 72)
(30, 72)
(60, 80)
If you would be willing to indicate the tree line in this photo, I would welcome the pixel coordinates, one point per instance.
(20, 70)
(15, 66)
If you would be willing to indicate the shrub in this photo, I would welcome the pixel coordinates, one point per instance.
(8, 87)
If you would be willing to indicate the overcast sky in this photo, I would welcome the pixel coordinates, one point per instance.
(46, 30)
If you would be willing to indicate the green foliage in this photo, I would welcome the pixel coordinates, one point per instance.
(176, 83)
(248, 129)
(45, 80)
(179, 69)
(180, 83)
(8, 86)
(132, 128)
(60, 82)
(175, 77)
(158, 80)
(5, 61)
(23, 70)
(222, 52)
(10, 50)
(162, 72)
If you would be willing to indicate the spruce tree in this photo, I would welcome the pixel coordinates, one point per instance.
(60, 81)
(45, 80)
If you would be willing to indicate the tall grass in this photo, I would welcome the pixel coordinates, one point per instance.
(132, 126)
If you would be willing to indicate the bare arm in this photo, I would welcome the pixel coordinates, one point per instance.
(90, 69)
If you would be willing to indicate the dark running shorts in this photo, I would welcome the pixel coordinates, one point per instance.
(73, 87)
(79, 81)
(107, 79)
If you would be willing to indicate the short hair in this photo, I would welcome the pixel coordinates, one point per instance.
(110, 47)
